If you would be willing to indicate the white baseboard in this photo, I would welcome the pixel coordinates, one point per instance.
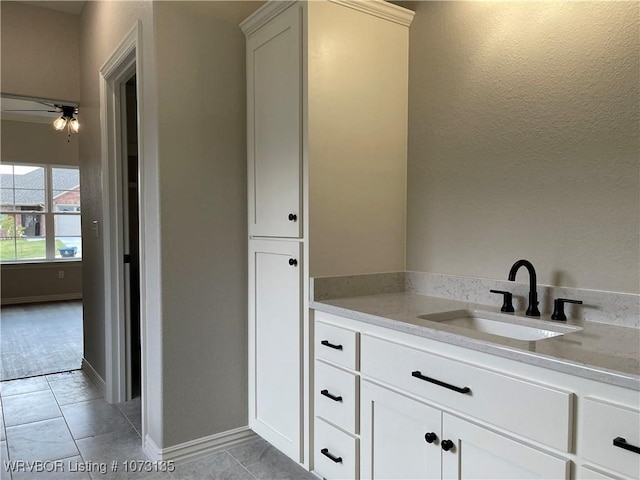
(199, 447)
(42, 298)
(93, 375)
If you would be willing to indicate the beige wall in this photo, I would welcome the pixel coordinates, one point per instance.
(40, 58)
(104, 25)
(40, 52)
(26, 142)
(39, 143)
(202, 147)
(357, 141)
(41, 282)
(524, 141)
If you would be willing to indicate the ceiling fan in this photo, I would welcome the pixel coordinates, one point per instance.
(64, 114)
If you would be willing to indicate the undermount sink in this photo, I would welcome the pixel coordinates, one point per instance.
(509, 326)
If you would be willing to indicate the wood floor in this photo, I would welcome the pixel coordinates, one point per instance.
(40, 339)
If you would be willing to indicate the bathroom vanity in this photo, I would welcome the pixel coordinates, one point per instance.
(400, 394)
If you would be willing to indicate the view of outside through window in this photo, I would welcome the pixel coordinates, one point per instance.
(39, 213)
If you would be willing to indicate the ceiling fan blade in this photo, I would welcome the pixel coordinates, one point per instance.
(50, 111)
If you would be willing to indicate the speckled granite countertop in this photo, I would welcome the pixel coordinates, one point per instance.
(599, 351)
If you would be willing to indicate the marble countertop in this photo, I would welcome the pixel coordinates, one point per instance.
(598, 351)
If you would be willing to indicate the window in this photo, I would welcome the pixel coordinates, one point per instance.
(39, 213)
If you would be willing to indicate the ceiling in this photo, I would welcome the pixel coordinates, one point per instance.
(69, 6)
(31, 110)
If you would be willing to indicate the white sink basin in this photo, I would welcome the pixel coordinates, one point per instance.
(509, 326)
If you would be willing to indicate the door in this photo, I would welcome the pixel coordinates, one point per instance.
(400, 436)
(275, 339)
(478, 453)
(274, 127)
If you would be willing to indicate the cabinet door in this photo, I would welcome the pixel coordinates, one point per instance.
(478, 453)
(275, 356)
(274, 127)
(393, 429)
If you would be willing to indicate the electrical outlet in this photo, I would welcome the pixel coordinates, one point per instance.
(60, 273)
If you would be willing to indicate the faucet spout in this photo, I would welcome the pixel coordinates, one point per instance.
(532, 309)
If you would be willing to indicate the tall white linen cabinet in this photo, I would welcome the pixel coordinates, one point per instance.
(327, 88)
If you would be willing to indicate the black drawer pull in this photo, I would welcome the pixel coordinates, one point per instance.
(419, 375)
(332, 397)
(331, 345)
(622, 443)
(325, 452)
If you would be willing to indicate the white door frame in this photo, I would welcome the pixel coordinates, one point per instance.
(120, 67)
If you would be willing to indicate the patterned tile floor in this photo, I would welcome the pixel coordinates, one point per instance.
(62, 422)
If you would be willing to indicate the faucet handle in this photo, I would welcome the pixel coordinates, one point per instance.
(507, 304)
(558, 308)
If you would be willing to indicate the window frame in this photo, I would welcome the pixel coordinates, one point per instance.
(48, 213)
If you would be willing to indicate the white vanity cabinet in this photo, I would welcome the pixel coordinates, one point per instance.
(495, 417)
(403, 438)
(274, 76)
(610, 437)
(275, 349)
(336, 395)
(327, 109)
(431, 441)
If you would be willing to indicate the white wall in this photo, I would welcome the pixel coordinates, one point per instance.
(524, 141)
(202, 132)
(40, 52)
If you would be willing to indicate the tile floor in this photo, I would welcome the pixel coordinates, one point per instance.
(40, 338)
(62, 417)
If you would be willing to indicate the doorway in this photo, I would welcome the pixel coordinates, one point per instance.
(131, 238)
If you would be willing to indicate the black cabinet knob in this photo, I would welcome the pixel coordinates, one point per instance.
(430, 437)
(293, 217)
(293, 262)
(446, 445)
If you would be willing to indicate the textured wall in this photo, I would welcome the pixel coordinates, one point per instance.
(40, 52)
(524, 141)
(104, 25)
(203, 188)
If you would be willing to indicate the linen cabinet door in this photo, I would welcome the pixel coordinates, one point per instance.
(274, 127)
(473, 452)
(275, 353)
(400, 437)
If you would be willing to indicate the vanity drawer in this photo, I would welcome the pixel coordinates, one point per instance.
(336, 396)
(336, 453)
(526, 408)
(336, 344)
(602, 423)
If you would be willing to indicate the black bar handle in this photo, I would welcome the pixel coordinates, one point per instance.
(331, 345)
(332, 397)
(419, 375)
(622, 443)
(325, 452)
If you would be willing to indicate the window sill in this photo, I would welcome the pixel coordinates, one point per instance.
(76, 262)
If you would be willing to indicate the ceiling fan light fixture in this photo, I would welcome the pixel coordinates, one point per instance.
(60, 123)
(74, 125)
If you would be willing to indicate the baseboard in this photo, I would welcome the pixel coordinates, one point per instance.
(199, 447)
(42, 298)
(93, 375)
